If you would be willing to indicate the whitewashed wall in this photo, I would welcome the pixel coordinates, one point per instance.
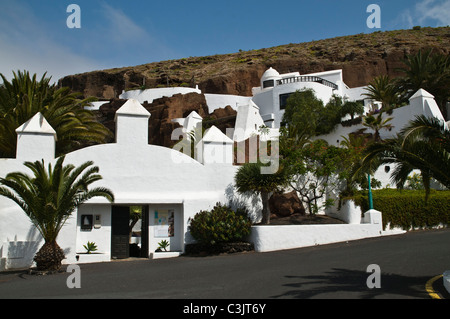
(137, 173)
(152, 94)
(215, 101)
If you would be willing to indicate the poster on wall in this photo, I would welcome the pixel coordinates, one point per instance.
(164, 223)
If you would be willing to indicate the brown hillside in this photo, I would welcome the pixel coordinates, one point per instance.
(361, 56)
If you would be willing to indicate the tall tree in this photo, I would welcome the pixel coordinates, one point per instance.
(384, 89)
(49, 197)
(429, 71)
(25, 95)
(315, 169)
(249, 179)
(302, 114)
(306, 116)
(377, 123)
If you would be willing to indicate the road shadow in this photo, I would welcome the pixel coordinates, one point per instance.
(344, 283)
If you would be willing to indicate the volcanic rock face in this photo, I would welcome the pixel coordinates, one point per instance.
(162, 112)
(361, 57)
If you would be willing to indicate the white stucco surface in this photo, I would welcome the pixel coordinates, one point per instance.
(137, 174)
(160, 178)
(153, 94)
(272, 237)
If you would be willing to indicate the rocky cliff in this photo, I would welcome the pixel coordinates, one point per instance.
(164, 110)
(361, 57)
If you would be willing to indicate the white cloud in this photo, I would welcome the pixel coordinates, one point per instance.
(434, 13)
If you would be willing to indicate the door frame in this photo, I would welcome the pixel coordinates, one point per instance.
(115, 209)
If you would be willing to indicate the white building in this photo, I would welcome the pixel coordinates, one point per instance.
(275, 89)
(170, 187)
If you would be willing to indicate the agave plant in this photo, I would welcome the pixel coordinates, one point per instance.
(90, 247)
(49, 197)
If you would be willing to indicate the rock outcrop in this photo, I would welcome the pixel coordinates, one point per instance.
(361, 57)
(287, 204)
(162, 111)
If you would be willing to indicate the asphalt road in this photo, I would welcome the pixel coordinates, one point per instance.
(336, 271)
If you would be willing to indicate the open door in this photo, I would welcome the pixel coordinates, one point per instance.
(144, 232)
(127, 240)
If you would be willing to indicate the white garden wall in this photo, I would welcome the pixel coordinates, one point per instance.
(272, 237)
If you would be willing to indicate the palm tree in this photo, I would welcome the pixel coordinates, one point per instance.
(49, 197)
(377, 123)
(25, 95)
(384, 90)
(429, 71)
(355, 144)
(248, 179)
(424, 145)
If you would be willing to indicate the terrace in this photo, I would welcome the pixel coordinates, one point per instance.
(316, 79)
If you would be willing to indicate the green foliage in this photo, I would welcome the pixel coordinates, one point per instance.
(356, 177)
(408, 208)
(385, 90)
(50, 196)
(306, 115)
(90, 247)
(250, 179)
(330, 115)
(220, 225)
(25, 96)
(163, 245)
(377, 123)
(352, 108)
(424, 144)
(415, 181)
(429, 71)
(302, 113)
(314, 169)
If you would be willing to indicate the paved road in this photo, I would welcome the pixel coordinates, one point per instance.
(406, 261)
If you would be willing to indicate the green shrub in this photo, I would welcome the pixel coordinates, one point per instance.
(220, 225)
(407, 208)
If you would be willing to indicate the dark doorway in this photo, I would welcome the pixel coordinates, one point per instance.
(125, 240)
(120, 218)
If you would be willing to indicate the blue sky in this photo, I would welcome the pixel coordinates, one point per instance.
(34, 35)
